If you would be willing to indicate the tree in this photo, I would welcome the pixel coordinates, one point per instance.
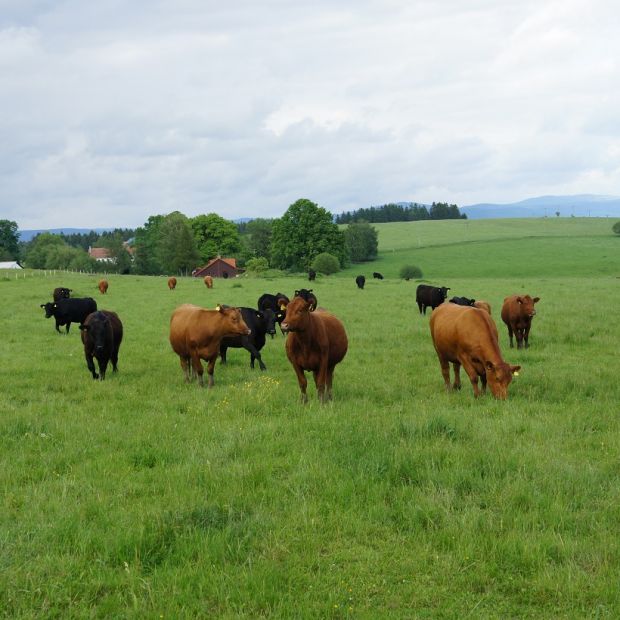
(259, 233)
(215, 236)
(362, 242)
(176, 250)
(303, 232)
(9, 240)
(38, 249)
(325, 263)
(616, 227)
(49, 251)
(257, 265)
(407, 272)
(147, 238)
(115, 246)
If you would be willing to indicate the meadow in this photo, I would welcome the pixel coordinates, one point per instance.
(144, 497)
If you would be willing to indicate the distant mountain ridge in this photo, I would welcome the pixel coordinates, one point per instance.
(28, 235)
(579, 205)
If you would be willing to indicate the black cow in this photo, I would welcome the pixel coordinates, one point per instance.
(260, 323)
(309, 296)
(462, 301)
(277, 303)
(311, 275)
(360, 281)
(67, 311)
(61, 293)
(432, 296)
(377, 275)
(102, 334)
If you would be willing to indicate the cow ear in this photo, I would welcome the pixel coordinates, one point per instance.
(312, 307)
(489, 366)
(282, 307)
(519, 300)
(42, 306)
(536, 299)
(515, 370)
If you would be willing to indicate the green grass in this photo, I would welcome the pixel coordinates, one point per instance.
(144, 497)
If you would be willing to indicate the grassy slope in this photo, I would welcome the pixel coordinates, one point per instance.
(142, 497)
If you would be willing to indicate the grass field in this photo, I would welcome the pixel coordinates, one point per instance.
(143, 497)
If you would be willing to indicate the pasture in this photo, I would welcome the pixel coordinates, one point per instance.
(144, 497)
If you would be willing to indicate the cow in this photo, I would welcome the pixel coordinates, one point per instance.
(360, 281)
(311, 275)
(463, 301)
(309, 296)
(260, 323)
(103, 286)
(277, 303)
(172, 283)
(208, 280)
(67, 311)
(316, 342)
(196, 333)
(432, 296)
(102, 334)
(483, 305)
(518, 312)
(468, 336)
(377, 275)
(61, 293)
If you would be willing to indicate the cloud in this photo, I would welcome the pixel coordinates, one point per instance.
(113, 111)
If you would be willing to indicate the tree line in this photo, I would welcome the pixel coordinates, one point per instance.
(177, 244)
(393, 212)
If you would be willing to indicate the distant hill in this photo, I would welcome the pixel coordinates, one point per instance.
(581, 205)
(27, 235)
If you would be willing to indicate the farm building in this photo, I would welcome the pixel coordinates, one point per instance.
(10, 264)
(218, 268)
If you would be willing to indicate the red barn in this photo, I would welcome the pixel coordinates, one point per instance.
(218, 268)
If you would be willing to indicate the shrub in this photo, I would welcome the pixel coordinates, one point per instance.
(257, 265)
(616, 227)
(410, 271)
(326, 263)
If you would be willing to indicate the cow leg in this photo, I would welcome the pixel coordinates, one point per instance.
(519, 336)
(91, 365)
(420, 307)
(328, 382)
(473, 377)
(319, 381)
(303, 382)
(57, 326)
(445, 371)
(223, 350)
(185, 365)
(198, 369)
(254, 354)
(526, 335)
(68, 326)
(103, 366)
(210, 368)
(510, 336)
(483, 383)
(114, 359)
(457, 375)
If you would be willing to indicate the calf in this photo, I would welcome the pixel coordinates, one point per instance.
(61, 293)
(360, 281)
(67, 311)
(103, 286)
(316, 342)
(432, 296)
(377, 275)
(172, 283)
(196, 334)
(518, 312)
(208, 280)
(311, 275)
(102, 334)
(259, 323)
(463, 301)
(277, 303)
(468, 337)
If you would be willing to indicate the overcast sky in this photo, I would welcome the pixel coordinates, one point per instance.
(114, 110)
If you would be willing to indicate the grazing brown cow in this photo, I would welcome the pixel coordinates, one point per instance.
(208, 281)
(196, 333)
(467, 336)
(483, 305)
(316, 341)
(103, 286)
(517, 313)
(172, 283)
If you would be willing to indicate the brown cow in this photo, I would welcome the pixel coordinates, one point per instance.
(316, 341)
(517, 313)
(103, 286)
(208, 281)
(172, 283)
(196, 333)
(467, 336)
(61, 292)
(483, 305)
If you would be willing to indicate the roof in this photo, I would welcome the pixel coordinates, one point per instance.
(10, 264)
(97, 253)
(230, 261)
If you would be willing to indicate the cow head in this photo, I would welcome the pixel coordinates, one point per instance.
(297, 315)
(268, 316)
(98, 329)
(309, 296)
(499, 377)
(233, 323)
(49, 309)
(444, 291)
(526, 303)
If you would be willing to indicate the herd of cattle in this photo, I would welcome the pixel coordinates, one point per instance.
(462, 330)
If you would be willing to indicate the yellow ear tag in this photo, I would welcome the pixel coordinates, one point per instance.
(282, 307)
(218, 307)
(515, 374)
